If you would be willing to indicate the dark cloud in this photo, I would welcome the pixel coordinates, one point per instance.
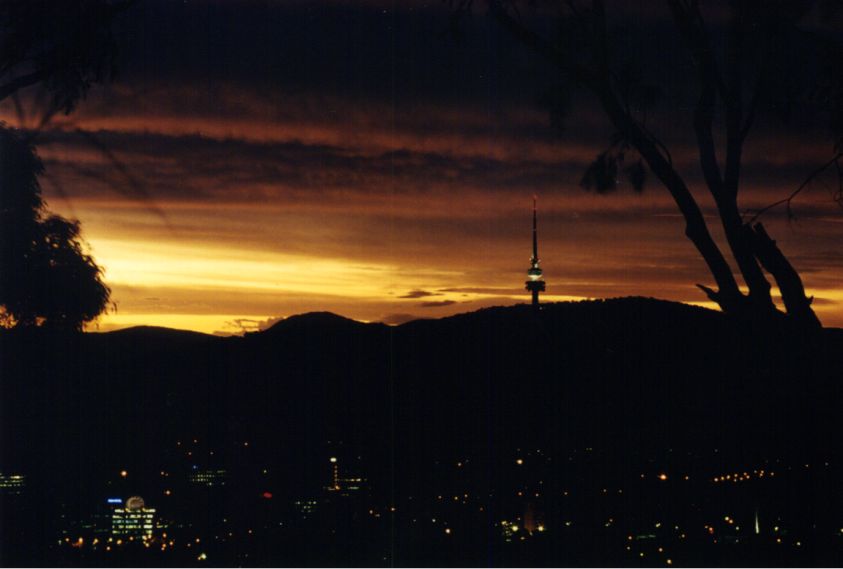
(354, 133)
(243, 325)
(240, 326)
(438, 303)
(241, 171)
(386, 49)
(483, 290)
(418, 293)
(194, 169)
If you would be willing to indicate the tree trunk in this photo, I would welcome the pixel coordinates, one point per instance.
(790, 284)
(743, 251)
(728, 296)
(749, 246)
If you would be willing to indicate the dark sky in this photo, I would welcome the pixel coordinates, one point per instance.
(281, 157)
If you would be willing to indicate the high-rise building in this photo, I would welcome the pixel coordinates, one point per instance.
(343, 484)
(306, 506)
(335, 475)
(12, 483)
(208, 477)
(133, 519)
(535, 283)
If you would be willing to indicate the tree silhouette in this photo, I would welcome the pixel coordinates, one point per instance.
(768, 64)
(61, 49)
(63, 46)
(46, 277)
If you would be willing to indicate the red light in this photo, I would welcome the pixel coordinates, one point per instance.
(267, 495)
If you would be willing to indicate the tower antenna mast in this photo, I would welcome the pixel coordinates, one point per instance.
(535, 284)
(535, 236)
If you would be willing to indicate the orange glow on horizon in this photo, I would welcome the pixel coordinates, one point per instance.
(402, 221)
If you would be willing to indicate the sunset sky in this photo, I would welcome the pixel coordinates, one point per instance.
(254, 160)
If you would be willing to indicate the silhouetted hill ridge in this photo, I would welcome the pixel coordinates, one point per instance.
(144, 332)
(629, 373)
(314, 321)
(663, 312)
(630, 311)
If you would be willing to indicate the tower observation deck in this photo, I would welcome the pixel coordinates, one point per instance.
(535, 283)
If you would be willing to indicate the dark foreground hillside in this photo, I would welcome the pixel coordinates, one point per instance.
(592, 398)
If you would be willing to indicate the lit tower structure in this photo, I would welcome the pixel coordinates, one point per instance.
(335, 475)
(344, 484)
(535, 283)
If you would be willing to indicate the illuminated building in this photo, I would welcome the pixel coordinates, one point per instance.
(352, 484)
(100, 523)
(306, 507)
(509, 530)
(12, 483)
(535, 283)
(133, 519)
(335, 475)
(208, 477)
(343, 484)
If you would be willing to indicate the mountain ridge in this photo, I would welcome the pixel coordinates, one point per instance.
(626, 374)
(314, 319)
(323, 317)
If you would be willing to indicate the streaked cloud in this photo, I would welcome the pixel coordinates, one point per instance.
(286, 179)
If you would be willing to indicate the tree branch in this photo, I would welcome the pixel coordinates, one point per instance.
(540, 45)
(691, 24)
(660, 144)
(601, 43)
(21, 82)
(753, 104)
(734, 102)
(573, 8)
(819, 170)
(729, 295)
(704, 112)
(790, 284)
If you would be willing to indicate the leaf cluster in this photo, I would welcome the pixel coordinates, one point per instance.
(46, 276)
(66, 46)
(613, 165)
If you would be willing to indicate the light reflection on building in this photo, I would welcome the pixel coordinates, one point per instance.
(133, 520)
(208, 477)
(343, 484)
(12, 483)
(306, 507)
